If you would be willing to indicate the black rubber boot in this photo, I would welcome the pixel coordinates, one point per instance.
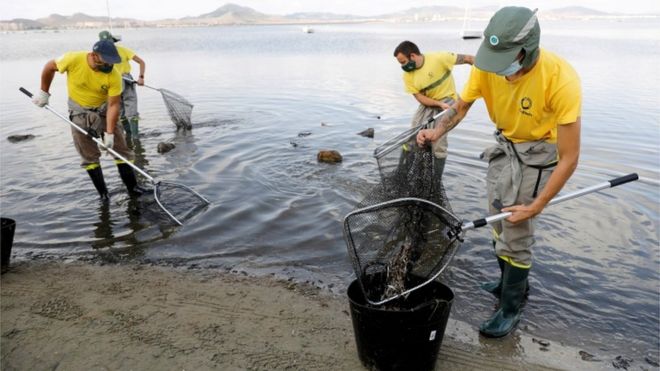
(130, 181)
(96, 175)
(505, 319)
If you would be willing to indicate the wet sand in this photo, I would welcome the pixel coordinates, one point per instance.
(80, 316)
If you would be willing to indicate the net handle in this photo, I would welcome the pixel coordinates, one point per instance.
(597, 187)
(135, 82)
(393, 143)
(156, 184)
(95, 139)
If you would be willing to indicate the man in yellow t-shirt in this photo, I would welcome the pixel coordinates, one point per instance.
(534, 99)
(94, 88)
(428, 78)
(129, 115)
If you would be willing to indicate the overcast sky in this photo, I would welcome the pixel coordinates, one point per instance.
(159, 9)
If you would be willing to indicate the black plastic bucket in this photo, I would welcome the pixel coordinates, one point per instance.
(6, 240)
(404, 339)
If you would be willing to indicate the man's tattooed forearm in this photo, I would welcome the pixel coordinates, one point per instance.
(449, 120)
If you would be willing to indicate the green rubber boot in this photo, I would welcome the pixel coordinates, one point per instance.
(505, 319)
(495, 287)
(133, 124)
(127, 127)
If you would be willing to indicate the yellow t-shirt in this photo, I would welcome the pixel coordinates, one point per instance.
(87, 87)
(126, 55)
(434, 78)
(531, 107)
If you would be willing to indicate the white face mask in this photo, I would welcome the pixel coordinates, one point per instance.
(511, 70)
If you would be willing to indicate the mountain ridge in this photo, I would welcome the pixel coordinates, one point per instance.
(233, 14)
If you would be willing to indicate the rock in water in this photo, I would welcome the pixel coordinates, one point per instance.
(19, 138)
(622, 362)
(164, 147)
(329, 156)
(369, 133)
(304, 134)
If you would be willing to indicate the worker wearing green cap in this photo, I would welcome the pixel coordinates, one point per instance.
(533, 97)
(129, 107)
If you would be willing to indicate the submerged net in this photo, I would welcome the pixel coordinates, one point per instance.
(178, 201)
(404, 232)
(179, 109)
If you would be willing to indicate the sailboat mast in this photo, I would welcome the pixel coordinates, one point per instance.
(465, 15)
(107, 5)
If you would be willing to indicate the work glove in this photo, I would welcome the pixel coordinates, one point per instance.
(41, 99)
(108, 141)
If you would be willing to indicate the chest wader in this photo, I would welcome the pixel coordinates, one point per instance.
(129, 113)
(495, 287)
(130, 126)
(126, 173)
(94, 170)
(512, 288)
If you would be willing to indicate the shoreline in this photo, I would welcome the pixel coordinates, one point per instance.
(79, 315)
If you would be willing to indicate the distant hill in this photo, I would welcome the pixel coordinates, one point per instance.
(306, 16)
(426, 13)
(573, 12)
(227, 14)
(81, 20)
(234, 10)
(231, 14)
(19, 24)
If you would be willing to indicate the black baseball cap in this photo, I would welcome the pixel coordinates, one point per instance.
(107, 50)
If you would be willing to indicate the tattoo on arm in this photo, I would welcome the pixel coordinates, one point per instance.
(460, 59)
(449, 121)
(454, 116)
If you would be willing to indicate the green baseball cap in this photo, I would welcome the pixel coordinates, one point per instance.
(510, 30)
(106, 35)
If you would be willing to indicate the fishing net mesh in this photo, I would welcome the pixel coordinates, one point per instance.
(178, 200)
(404, 231)
(179, 109)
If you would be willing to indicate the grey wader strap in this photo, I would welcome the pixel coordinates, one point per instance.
(76, 109)
(540, 168)
(497, 204)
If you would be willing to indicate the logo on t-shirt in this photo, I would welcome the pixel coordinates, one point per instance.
(104, 88)
(525, 105)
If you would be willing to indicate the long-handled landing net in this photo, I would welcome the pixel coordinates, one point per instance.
(178, 201)
(178, 107)
(404, 233)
